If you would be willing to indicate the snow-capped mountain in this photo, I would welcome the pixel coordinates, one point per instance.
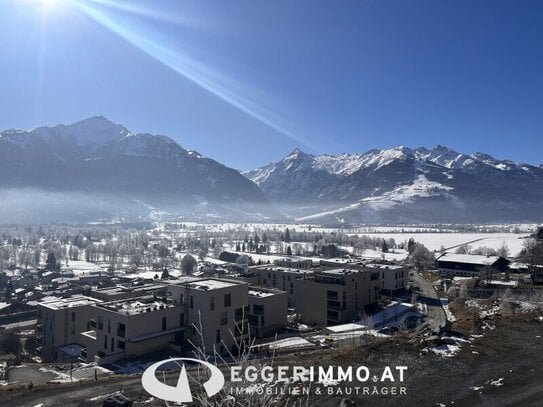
(116, 173)
(403, 185)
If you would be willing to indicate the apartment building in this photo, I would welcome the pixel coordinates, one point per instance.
(217, 312)
(280, 278)
(267, 311)
(131, 327)
(209, 313)
(59, 324)
(331, 297)
(393, 277)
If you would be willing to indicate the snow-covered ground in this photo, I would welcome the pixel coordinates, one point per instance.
(294, 342)
(445, 305)
(434, 241)
(81, 267)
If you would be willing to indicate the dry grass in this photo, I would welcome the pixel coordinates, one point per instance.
(467, 319)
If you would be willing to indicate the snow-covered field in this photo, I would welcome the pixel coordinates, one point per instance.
(434, 241)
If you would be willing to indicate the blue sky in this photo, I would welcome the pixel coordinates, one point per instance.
(245, 82)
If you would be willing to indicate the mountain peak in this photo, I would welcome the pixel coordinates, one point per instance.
(96, 130)
(296, 151)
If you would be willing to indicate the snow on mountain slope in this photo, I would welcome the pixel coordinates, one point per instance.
(398, 180)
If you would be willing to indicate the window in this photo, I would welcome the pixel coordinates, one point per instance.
(258, 309)
(112, 344)
(121, 330)
(224, 318)
(100, 323)
(163, 323)
(120, 344)
(108, 326)
(227, 300)
(73, 330)
(218, 336)
(191, 302)
(239, 314)
(181, 319)
(105, 342)
(212, 305)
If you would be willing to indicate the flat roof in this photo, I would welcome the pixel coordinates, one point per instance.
(138, 305)
(469, 258)
(385, 266)
(262, 293)
(340, 271)
(74, 301)
(121, 288)
(212, 284)
(281, 269)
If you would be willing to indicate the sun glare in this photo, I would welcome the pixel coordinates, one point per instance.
(49, 4)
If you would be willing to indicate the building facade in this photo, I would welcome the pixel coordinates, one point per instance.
(267, 311)
(336, 296)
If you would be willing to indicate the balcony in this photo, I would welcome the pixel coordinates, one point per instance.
(90, 334)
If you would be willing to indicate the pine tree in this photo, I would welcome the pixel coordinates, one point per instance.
(51, 263)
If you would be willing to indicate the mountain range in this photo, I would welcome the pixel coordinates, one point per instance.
(98, 170)
(402, 185)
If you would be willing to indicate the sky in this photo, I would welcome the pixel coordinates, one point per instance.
(247, 81)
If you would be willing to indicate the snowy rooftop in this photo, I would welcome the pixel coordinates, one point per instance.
(262, 293)
(282, 269)
(74, 301)
(469, 258)
(212, 284)
(384, 266)
(340, 271)
(137, 305)
(121, 288)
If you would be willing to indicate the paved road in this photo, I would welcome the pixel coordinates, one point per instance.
(436, 317)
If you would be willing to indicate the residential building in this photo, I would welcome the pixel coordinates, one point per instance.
(336, 296)
(280, 278)
(267, 311)
(60, 322)
(393, 277)
(217, 312)
(131, 327)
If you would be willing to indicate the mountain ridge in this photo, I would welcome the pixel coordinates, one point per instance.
(402, 184)
(97, 158)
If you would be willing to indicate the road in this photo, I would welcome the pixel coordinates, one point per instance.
(436, 317)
